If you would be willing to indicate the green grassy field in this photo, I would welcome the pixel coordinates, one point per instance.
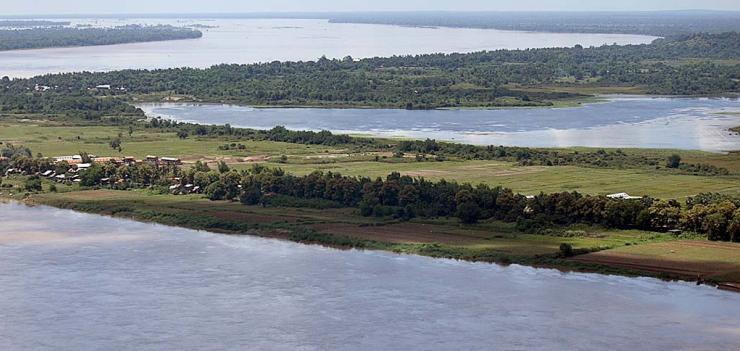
(536, 179)
(55, 140)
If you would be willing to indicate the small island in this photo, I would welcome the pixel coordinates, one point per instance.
(31, 23)
(44, 37)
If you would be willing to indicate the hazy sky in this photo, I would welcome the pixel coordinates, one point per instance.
(15, 7)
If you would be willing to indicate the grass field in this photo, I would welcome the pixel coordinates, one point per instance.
(536, 179)
(55, 140)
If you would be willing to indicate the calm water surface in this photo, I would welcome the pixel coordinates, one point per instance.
(72, 281)
(265, 40)
(621, 121)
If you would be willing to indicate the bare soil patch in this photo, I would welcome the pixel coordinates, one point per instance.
(685, 258)
(406, 233)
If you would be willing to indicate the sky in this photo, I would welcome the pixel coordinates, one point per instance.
(58, 7)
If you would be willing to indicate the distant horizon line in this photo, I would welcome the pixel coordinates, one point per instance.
(315, 14)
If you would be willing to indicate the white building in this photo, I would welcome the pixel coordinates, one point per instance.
(623, 196)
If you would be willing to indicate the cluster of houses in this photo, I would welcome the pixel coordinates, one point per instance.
(618, 196)
(43, 88)
(179, 189)
(72, 175)
(623, 196)
(77, 165)
(128, 160)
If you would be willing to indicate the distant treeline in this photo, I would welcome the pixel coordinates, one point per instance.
(404, 197)
(659, 23)
(73, 104)
(31, 23)
(547, 157)
(694, 64)
(36, 38)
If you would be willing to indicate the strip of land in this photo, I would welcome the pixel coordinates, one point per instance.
(623, 252)
(42, 37)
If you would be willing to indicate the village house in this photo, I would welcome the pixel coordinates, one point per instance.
(623, 196)
(162, 161)
(41, 88)
(105, 159)
(170, 161)
(152, 160)
(73, 160)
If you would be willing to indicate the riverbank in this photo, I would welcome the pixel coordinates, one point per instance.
(494, 242)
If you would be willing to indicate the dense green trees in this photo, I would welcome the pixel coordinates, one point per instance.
(685, 65)
(70, 104)
(44, 37)
(719, 220)
(279, 133)
(92, 175)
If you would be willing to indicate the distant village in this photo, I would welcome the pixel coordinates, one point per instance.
(42, 88)
(77, 165)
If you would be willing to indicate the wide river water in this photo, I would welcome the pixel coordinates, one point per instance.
(266, 40)
(618, 121)
(72, 281)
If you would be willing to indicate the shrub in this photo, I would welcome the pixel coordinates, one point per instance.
(33, 183)
(566, 250)
(673, 161)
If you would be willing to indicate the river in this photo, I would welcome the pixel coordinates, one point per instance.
(69, 281)
(266, 40)
(618, 121)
